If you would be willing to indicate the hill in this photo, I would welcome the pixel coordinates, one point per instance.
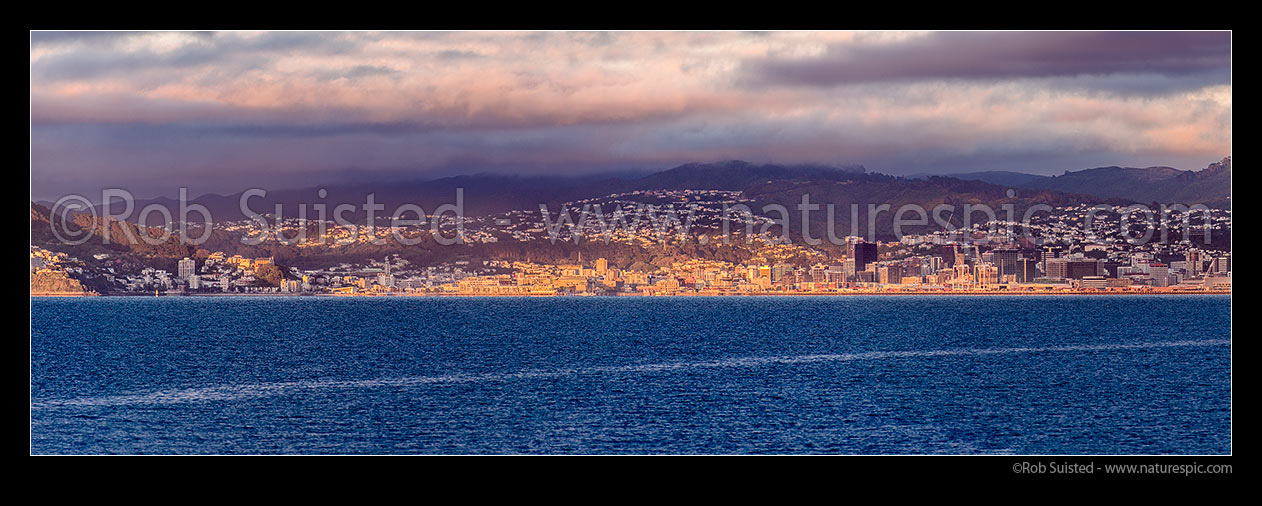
(999, 177)
(1210, 186)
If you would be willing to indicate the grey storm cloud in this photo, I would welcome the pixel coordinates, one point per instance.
(101, 56)
(102, 62)
(1003, 55)
(222, 111)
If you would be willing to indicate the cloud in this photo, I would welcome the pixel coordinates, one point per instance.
(223, 111)
(1005, 55)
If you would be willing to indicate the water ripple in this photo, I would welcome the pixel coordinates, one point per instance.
(256, 390)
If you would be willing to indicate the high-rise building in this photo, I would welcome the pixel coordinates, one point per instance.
(602, 266)
(863, 254)
(1055, 267)
(778, 271)
(1006, 261)
(890, 274)
(186, 268)
(817, 274)
(948, 255)
(847, 268)
(1160, 274)
(1026, 270)
(385, 278)
(1195, 261)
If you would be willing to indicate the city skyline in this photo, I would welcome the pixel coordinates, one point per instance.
(1015, 244)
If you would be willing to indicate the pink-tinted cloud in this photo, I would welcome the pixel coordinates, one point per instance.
(264, 107)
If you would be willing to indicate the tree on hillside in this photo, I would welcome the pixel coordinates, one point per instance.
(269, 274)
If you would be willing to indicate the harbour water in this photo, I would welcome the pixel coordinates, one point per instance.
(849, 375)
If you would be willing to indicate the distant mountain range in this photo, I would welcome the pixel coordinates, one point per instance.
(486, 194)
(1210, 186)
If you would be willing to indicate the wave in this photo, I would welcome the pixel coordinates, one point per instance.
(256, 390)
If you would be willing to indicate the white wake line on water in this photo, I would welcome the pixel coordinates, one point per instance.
(255, 390)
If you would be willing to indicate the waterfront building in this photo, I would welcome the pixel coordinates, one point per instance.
(1095, 282)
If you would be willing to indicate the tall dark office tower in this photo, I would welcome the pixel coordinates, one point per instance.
(948, 255)
(1006, 261)
(1026, 271)
(863, 254)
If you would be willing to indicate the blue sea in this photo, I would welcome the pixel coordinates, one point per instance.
(584, 375)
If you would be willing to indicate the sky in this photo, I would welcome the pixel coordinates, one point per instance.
(221, 112)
